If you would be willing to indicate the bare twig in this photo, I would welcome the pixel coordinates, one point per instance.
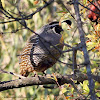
(3, 71)
(89, 9)
(84, 7)
(84, 49)
(94, 4)
(74, 61)
(60, 2)
(8, 15)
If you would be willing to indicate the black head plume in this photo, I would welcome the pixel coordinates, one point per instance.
(68, 22)
(54, 23)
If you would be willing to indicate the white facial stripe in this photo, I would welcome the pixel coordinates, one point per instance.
(54, 30)
(54, 25)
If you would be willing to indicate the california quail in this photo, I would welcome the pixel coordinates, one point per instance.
(42, 50)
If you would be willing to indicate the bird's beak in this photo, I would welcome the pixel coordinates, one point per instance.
(61, 30)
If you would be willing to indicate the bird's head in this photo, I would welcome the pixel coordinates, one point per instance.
(57, 28)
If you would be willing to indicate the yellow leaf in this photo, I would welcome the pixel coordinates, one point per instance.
(3, 4)
(97, 28)
(90, 36)
(67, 97)
(35, 2)
(51, 78)
(64, 90)
(85, 86)
(93, 70)
(54, 77)
(85, 93)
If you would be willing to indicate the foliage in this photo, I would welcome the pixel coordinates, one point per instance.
(13, 37)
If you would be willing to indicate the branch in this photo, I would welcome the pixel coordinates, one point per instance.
(74, 61)
(84, 49)
(30, 81)
(43, 80)
(7, 14)
(63, 5)
(70, 2)
(94, 4)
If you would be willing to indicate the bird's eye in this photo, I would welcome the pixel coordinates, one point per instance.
(58, 29)
(55, 27)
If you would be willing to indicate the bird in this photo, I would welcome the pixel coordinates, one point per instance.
(43, 49)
